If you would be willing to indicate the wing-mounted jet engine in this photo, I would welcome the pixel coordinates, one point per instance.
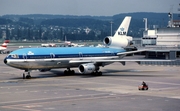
(89, 68)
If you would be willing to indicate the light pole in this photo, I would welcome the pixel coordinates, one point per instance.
(111, 27)
(145, 20)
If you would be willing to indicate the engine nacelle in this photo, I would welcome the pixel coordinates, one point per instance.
(116, 42)
(87, 68)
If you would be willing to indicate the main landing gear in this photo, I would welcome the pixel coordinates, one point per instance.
(97, 73)
(26, 75)
(69, 72)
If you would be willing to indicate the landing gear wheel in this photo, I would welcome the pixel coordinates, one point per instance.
(26, 75)
(97, 73)
(69, 72)
(72, 72)
(65, 72)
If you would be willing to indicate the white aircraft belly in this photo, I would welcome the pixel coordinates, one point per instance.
(52, 63)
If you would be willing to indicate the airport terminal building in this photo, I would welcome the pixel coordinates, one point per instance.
(162, 37)
(163, 42)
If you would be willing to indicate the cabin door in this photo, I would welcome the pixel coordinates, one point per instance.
(80, 55)
(25, 63)
(52, 56)
(25, 57)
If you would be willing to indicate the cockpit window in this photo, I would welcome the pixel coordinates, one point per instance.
(14, 56)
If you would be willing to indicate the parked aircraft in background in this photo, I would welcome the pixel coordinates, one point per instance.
(71, 44)
(67, 42)
(87, 59)
(48, 45)
(3, 47)
(77, 45)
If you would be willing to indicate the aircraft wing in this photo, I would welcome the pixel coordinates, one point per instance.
(119, 60)
(108, 61)
(131, 52)
(123, 62)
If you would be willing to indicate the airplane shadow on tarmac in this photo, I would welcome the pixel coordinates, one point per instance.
(133, 73)
(106, 73)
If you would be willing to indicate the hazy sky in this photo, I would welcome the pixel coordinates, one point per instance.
(86, 7)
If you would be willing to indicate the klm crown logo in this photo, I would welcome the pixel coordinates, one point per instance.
(122, 32)
(30, 53)
(122, 29)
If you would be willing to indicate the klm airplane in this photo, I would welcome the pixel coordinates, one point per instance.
(87, 59)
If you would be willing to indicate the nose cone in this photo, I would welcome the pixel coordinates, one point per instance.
(5, 61)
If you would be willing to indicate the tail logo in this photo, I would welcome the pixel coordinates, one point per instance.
(122, 32)
(30, 53)
(122, 29)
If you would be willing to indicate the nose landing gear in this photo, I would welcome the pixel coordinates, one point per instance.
(26, 75)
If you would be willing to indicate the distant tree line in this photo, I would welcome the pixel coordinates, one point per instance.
(56, 27)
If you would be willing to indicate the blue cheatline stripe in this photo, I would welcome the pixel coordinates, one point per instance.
(70, 52)
(61, 56)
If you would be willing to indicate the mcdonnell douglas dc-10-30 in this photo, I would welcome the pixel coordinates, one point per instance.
(88, 60)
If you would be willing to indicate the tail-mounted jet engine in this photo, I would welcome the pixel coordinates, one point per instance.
(87, 68)
(116, 42)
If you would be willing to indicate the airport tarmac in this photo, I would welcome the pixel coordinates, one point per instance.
(115, 90)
